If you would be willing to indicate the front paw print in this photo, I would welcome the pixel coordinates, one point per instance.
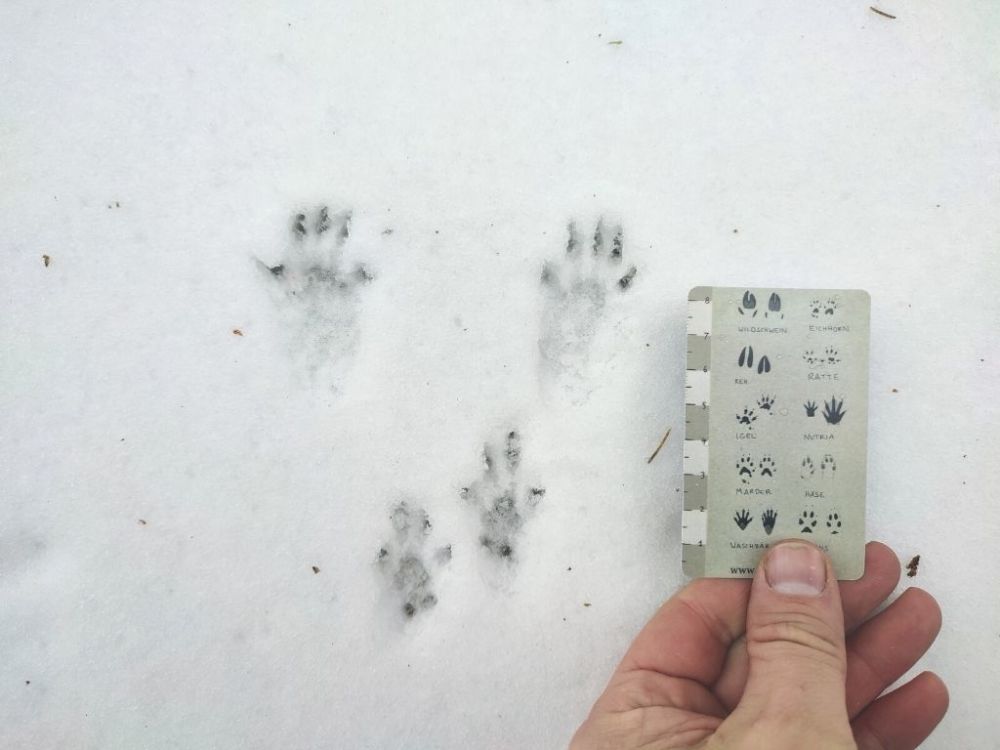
(768, 519)
(747, 418)
(808, 468)
(767, 468)
(765, 403)
(807, 522)
(745, 468)
(743, 519)
(502, 500)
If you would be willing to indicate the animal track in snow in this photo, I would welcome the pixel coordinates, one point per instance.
(502, 500)
(577, 288)
(404, 561)
(317, 294)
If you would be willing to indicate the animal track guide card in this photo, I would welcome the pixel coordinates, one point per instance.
(776, 419)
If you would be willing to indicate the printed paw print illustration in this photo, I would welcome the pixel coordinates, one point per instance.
(745, 468)
(828, 358)
(833, 411)
(807, 522)
(821, 308)
(743, 519)
(810, 407)
(749, 305)
(767, 468)
(774, 306)
(768, 519)
(808, 468)
(828, 466)
(833, 523)
(746, 360)
(747, 418)
(765, 403)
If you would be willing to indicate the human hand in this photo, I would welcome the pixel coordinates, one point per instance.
(784, 661)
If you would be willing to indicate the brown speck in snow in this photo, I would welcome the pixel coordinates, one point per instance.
(237, 332)
(46, 260)
(911, 566)
(315, 569)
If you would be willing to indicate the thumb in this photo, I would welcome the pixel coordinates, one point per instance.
(795, 642)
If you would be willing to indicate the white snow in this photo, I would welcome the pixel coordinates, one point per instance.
(158, 152)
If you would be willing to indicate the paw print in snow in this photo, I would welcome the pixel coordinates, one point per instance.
(317, 294)
(807, 522)
(503, 502)
(767, 468)
(404, 563)
(833, 523)
(578, 287)
(745, 468)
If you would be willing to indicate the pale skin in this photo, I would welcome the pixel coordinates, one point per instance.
(739, 664)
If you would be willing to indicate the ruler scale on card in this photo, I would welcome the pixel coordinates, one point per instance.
(697, 397)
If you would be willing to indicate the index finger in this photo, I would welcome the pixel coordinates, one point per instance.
(691, 633)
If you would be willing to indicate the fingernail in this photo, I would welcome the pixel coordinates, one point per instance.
(797, 569)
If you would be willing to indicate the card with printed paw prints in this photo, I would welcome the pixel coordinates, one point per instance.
(776, 418)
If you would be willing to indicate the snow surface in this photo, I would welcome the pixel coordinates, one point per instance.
(168, 484)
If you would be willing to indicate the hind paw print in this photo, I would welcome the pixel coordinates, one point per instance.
(765, 403)
(577, 288)
(833, 523)
(404, 562)
(828, 466)
(768, 519)
(743, 519)
(502, 500)
(807, 522)
(810, 407)
(745, 468)
(808, 469)
(767, 467)
(317, 291)
(831, 356)
(833, 410)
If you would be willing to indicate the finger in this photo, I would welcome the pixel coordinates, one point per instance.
(690, 634)
(859, 599)
(904, 718)
(885, 647)
(795, 640)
